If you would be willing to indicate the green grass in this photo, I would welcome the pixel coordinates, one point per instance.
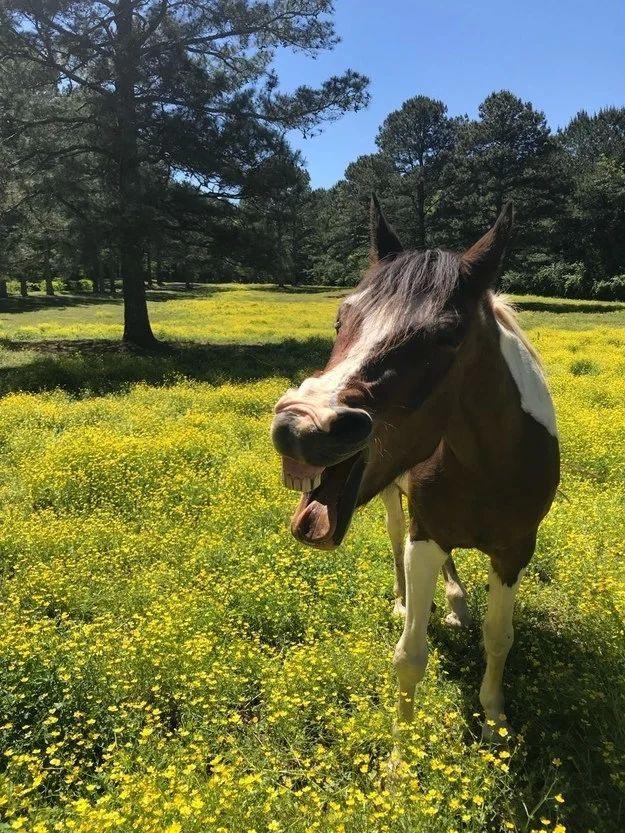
(244, 314)
(170, 658)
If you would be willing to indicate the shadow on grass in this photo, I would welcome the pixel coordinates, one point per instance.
(301, 290)
(105, 367)
(34, 303)
(546, 305)
(566, 698)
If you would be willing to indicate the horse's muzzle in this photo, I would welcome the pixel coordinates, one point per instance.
(324, 453)
(300, 434)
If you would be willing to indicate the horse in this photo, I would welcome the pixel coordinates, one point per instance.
(432, 393)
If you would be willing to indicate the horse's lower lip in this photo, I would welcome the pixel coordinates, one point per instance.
(324, 513)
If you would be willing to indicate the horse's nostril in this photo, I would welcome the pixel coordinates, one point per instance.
(284, 434)
(351, 425)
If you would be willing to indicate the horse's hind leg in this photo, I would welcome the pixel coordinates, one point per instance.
(456, 594)
(396, 528)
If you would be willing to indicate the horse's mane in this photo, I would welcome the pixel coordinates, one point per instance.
(414, 287)
(411, 289)
(506, 315)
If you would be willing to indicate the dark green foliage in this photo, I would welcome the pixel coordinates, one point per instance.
(418, 140)
(443, 181)
(141, 124)
(205, 188)
(594, 154)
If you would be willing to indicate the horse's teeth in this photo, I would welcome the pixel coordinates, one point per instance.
(301, 484)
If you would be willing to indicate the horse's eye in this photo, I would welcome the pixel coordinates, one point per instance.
(337, 325)
(450, 338)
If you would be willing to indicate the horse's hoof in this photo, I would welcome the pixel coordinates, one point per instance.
(453, 620)
(399, 609)
(395, 768)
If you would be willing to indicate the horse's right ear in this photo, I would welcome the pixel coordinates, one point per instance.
(384, 241)
(481, 263)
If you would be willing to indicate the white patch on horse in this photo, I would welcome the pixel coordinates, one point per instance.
(535, 397)
(374, 330)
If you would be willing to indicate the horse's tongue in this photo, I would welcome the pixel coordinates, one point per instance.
(316, 523)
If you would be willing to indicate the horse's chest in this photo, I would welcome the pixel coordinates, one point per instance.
(458, 508)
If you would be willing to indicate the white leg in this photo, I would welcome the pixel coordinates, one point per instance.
(456, 594)
(396, 528)
(498, 639)
(422, 562)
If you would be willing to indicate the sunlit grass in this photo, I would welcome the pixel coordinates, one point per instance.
(171, 660)
(237, 313)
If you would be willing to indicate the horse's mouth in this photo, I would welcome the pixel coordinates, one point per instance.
(328, 500)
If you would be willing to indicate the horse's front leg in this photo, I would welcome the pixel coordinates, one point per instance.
(422, 563)
(498, 638)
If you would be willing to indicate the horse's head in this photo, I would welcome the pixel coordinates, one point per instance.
(377, 409)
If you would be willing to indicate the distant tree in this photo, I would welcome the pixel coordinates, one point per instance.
(184, 84)
(593, 230)
(339, 218)
(418, 139)
(508, 153)
(275, 213)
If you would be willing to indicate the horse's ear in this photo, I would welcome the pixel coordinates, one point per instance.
(481, 263)
(384, 241)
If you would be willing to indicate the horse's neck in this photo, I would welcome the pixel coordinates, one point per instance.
(476, 415)
(486, 422)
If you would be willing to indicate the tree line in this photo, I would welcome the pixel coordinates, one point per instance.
(444, 179)
(143, 141)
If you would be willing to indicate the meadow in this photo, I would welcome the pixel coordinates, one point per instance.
(172, 661)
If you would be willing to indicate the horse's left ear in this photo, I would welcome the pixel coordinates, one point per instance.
(384, 240)
(481, 263)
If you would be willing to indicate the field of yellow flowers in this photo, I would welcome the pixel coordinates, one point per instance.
(171, 661)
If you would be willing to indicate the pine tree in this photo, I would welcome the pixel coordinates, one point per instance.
(187, 85)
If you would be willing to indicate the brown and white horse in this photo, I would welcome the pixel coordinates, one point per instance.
(431, 392)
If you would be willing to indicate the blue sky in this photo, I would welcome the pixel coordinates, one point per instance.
(562, 55)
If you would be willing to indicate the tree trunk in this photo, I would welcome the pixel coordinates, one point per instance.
(148, 269)
(4, 292)
(137, 329)
(96, 272)
(48, 280)
(24, 287)
(421, 232)
(159, 271)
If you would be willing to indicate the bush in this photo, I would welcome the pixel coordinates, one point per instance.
(610, 290)
(513, 281)
(561, 279)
